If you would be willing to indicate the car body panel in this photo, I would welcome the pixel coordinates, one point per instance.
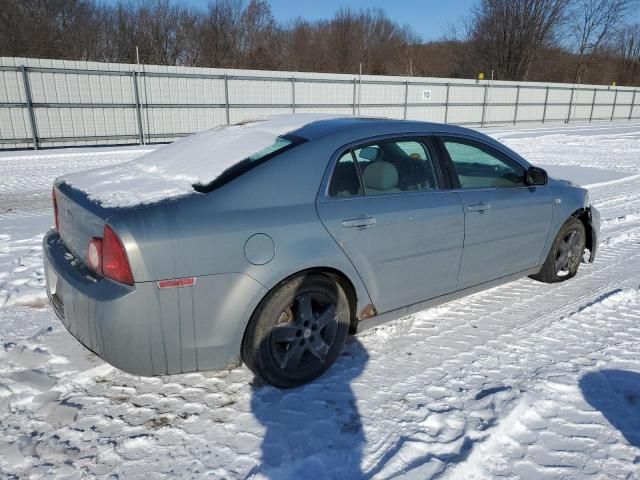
(77, 224)
(145, 330)
(413, 253)
(206, 234)
(414, 235)
(507, 237)
(567, 200)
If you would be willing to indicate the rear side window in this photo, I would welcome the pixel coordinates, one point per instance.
(391, 166)
(345, 181)
(478, 167)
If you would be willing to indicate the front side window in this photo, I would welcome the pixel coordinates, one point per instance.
(477, 167)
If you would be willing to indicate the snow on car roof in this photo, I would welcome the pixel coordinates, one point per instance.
(172, 170)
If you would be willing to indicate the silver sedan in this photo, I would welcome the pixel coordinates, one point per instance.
(222, 249)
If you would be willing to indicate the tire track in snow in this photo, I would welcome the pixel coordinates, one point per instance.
(498, 336)
(478, 388)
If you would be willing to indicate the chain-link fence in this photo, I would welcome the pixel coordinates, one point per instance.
(46, 103)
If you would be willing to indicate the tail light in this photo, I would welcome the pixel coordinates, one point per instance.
(55, 209)
(107, 257)
(115, 264)
(94, 255)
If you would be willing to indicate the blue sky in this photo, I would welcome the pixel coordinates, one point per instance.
(429, 18)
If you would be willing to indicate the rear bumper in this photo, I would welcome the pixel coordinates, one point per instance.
(147, 331)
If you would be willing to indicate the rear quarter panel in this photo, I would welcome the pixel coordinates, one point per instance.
(205, 234)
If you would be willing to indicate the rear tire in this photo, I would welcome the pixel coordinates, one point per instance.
(565, 255)
(297, 331)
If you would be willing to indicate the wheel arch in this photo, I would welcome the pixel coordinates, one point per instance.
(339, 277)
(583, 214)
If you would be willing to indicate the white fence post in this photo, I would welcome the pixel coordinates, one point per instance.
(570, 105)
(484, 105)
(546, 100)
(29, 99)
(593, 104)
(134, 77)
(354, 95)
(515, 113)
(226, 98)
(406, 95)
(446, 105)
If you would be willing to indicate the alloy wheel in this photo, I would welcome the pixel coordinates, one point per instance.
(569, 253)
(304, 332)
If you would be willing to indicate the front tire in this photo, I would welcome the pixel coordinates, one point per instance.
(297, 331)
(565, 255)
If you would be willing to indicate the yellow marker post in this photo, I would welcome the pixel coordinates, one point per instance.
(481, 76)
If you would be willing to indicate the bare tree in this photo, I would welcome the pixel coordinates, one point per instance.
(591, 24)
(306, 46)
(220, 34)
(65, 29)
(261, 43)
(506, 34)
(518, 39)
(628, 53)
(162, 32)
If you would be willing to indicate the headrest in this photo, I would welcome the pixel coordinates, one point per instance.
(380, 176)
(371, 153)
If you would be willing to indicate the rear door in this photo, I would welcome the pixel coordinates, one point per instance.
(506, 221)
(386, 206)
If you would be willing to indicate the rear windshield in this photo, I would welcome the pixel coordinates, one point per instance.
(280, 145)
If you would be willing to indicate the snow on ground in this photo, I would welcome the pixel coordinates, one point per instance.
(526, 380)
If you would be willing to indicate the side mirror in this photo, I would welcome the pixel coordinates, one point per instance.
(536, 176)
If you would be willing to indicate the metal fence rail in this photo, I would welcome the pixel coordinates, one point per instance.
(56, 106)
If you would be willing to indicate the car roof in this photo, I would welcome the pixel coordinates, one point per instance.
(360, 126)
(346, 129)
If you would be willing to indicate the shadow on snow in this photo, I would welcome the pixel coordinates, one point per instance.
(616, 393)
(314, 431)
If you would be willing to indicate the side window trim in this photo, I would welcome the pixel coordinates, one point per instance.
(431, 148)
(477, 143)
(446, 172)
(327, 181)
(358, 171)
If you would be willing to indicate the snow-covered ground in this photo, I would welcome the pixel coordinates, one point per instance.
(527, 380)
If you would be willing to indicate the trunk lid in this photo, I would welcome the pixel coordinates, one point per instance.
(79, 219)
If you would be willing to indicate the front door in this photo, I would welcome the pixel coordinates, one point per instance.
(506, 221)
(386, 207)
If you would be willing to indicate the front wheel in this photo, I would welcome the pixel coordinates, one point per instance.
(565, 255)
(297, 331)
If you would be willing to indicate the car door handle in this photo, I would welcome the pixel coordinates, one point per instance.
(479, 207)
(360, 222)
